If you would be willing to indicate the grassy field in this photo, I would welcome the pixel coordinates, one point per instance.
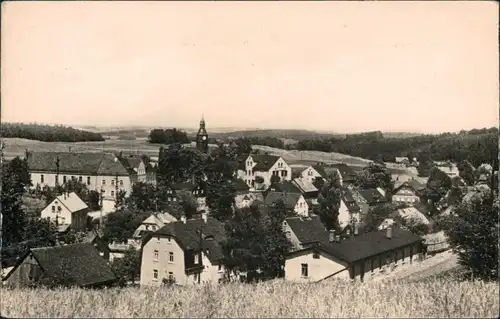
(275, 299)
(16, 147)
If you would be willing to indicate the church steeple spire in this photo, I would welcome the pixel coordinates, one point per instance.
(202, 136)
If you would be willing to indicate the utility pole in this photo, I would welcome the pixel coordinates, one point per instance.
(200, 230)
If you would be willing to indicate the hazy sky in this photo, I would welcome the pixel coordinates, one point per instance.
(339, 66)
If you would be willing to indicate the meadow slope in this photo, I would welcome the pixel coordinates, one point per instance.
(17, 146)
(274, 299)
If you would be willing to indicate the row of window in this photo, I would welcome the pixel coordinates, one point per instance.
(168, 274)
(283, 173)
(170, 256)
(80, 179)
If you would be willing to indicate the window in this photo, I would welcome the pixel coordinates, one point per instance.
(112, 193)
(171, 276)
(155, 255)
(121, 182)
(155, 274)
(310, 173)
(42, 179)
(53, 208)
(103, 182)
(57, 179)
(316, 255)
(158, 239)
(59, 208)
(88, 180)
(220, 268)
(73, 178)
(169, 240)
(64, 179)
(112, 182)
(196, 277)
(304, 270)
(196, 258)
(63, 220)
(80, 179)
(171, 257)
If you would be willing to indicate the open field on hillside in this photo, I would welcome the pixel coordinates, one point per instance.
(16, 147)
(274, 299)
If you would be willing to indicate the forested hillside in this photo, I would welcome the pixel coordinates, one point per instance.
(477, 146)
(48, 133)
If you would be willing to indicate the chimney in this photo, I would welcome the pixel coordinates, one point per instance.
(356, 230)
(337, 238)
(388, 233)
(183, 219)
(331, 237)
(204, 216)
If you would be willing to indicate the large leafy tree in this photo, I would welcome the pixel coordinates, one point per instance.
(425, 163)
(466, 171)
(15, 179)
(377, 175)
(127, 268)
(473, 234)
(120, 225)
(438, 184)
(177, 164)
(376, 215)
(329, 199)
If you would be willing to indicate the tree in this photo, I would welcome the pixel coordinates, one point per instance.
(473, 234)
(177, 165)
(14, 183)
(415, 226)
(438, 184)
(121, 225)
(328, 204)
(376, 215)
(244, 246)
(377, 175)
(242, 146)
(142, 197)
(425, 163)
(274, 179)
(466, 171)
(276, 244)
(127, 268)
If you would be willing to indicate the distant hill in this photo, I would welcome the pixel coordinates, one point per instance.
(291, 134)
(48, 133)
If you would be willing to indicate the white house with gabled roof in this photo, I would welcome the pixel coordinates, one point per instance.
(67, 209)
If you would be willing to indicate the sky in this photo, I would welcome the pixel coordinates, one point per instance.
(329, 66)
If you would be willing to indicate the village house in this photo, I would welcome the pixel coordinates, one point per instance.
(312, 172)
(303, 231)
(260, 168)
(243, 197)
(408, 192)
(70, 265)
(417, 214)
(307, 189)
(358, 257)
(154, 222)
(295, 203)
(349, 210)
(346, 173)
(101, 172)
(448, 168)
(177, 190)
(141, 165)
(67, 210)
(118, 250)
(186, 252)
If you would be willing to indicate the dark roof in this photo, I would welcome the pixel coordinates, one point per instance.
(241, 161)
(346, 172)
(413, 184)
(285, 186)
(369, 244)
(289, 199)
(372, 196)
(83, 163)
(77, 264)
(186, 234)
(264, 162)
(307, 229)
(186, 186)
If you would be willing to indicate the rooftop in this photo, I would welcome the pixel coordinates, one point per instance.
(289, 199)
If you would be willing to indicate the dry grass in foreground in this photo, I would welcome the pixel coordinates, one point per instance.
(437, 298)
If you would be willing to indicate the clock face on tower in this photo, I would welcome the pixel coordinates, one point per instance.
(204, 138)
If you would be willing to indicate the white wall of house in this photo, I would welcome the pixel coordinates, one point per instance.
(292, 238)
(309, 174)
(156, 264)
(56, 210)
(280, 167)
(301, 207)
(317, 269)
(405, 195)
(93, 182)
(344, 215)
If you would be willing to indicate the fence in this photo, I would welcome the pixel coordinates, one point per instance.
(438, 247)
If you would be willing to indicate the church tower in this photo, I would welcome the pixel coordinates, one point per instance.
(202, 137)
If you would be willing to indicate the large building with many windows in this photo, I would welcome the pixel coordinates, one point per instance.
(104, 172)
